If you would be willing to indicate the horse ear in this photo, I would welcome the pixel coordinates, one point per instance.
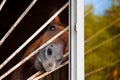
(57, 19)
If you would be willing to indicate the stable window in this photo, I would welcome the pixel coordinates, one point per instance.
(29, 28)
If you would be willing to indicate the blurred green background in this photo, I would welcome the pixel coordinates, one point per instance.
(102, 39)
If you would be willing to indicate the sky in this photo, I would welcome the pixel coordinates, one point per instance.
(105, 4)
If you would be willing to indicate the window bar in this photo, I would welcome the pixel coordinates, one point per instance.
(39, 73)
(100, 31)
(2, 4)
(32, 54)
(102, 68)
(102, 43)
(35, 75)
(46, 73)
(17, 22)
(80, 41)
(35, 34)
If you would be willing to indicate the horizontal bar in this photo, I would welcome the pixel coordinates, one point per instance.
(2, 4)
(32, 54)
(47, 73)
(102, 43)
(33, 36)
(102, 68)
(35, 75)
(17, 22)
(40, 72)
(100, 31)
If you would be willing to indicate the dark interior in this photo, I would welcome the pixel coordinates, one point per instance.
(39, 14)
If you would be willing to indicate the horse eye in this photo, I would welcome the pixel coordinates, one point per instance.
(52, 28)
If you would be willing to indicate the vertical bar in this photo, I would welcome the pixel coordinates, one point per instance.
(77, 39)
(73, 41)
(80, 39)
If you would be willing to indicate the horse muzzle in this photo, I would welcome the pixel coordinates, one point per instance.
(50, 57)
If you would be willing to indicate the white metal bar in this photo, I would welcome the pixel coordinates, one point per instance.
(40, 72)
(32, 54)
(17, 22)
(73, 41)
(35, 34)
(80, 39)
(103, 29)
(2, 4)
(35, 75)
(102, 43)
(46, 73)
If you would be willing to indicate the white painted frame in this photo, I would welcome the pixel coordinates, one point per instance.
(76, 40)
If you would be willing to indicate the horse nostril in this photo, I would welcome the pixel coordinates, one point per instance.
(49, 52)
(51, 45)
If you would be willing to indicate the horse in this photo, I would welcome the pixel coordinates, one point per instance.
(47, 58)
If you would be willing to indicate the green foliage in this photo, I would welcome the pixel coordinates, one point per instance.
(96, 76)
(107, 53)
